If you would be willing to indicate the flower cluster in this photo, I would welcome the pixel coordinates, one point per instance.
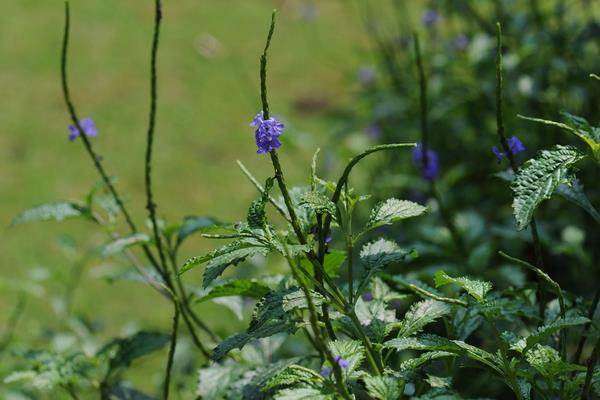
(514, 145)
(430, 18)
(267, 133)
(429, 170)
(88, 126)
(343, 363)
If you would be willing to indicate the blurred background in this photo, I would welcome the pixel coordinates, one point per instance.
(341, 76)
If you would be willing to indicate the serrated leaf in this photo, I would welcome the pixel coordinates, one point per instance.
(318, 203)
(421, 314)
(306, 393)
(384, 387)
(58, 211)
(294, 375)
(393, 210)
(219, 259)
(380, 253)
(240, 340)
(120, 244)
(424, 358)
(477, 289)
(541, 333)
(538, 178)
(350, 350)
(257, 217)
(436, 343)
(124, 351)
(548, 363)
(213, 380)
(277, 304)
(575, 194)
(238, 287)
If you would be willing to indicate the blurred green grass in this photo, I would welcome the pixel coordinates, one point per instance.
(205, 105)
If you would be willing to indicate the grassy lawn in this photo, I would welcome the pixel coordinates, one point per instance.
(205, 106)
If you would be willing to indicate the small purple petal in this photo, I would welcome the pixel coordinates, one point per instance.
(461, 41)
(342, 362)
(87, 125)
(430, 18)
(368, 296)
(325, 372)
(499, 155)
(515, 145)
(431, 170)
(266, 133)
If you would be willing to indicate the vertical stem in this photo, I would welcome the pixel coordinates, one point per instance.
(173, 345)
(507, 368)
(513, 164)
(86, 142)
(591, 365)
(586, 327)
(150, 205)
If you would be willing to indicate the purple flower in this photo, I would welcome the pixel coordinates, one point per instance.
(461, 41)
(430, 170)
(267, 133)
(325, 372)
(430, 18)
(87, 125)
(497, 153)
(367, 296)
(514, 145)
(315, 231)
(366, 74)
(374, 131)
(342, 362)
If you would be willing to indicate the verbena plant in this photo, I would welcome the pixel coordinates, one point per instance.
(360, 328)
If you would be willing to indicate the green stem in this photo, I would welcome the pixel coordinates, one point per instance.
(591, 365)
(587, 326)
(507, 368)
(173, 345)
(86, 142)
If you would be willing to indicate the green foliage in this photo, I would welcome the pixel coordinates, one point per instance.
(123, 351)
(543, 332)
(318, 203)
(420, 315)
(393, 210)
(539, 178)
(120, 244)
(477, 289)
(384, 387)
(58, 211)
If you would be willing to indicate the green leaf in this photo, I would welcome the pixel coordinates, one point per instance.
(333, 261)
(192, 225)
(421, 314)
(53, 212)
(424, 358)
(393, 210)
(303, 393)
(214, 380)
(575, 194)
(541, 333)
(278, 304)
(350, 350)
(547, 361)
(381, 253)
(123, 351)
(257, 217)
(219, 259)
(477, 289)
(240, 340)
(120, 244)
(436, 343)
(538, 178)
(294, 375)
(318, 203)
(122, 391)
(238, 287)
(384, 387)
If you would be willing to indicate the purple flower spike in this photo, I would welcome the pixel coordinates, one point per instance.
(431, 170)
(497, 153)
(515, 145)
(461, 41)
(368, 296)
(325, 372)
(342, 362)
(430, 18)
(88, 126)
(267, 133)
